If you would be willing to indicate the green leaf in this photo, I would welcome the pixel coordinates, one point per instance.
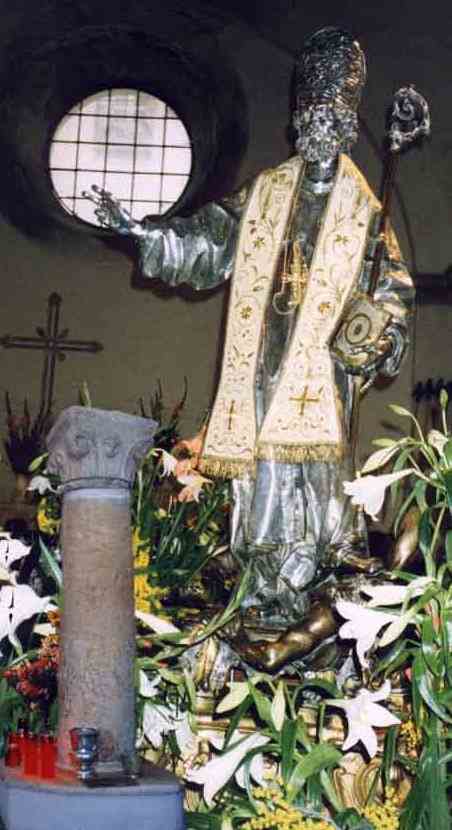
(425, 532)
(49, 563)
(429, 647)
(447, 451)
(191, 691)
(419, 490)
(390, 746)
(36, 463)
(321, 756)
(235, 719)
(203, 821)
(423, 682)
(262, 704)
(288, 743)
(447, 477)
(449, 547)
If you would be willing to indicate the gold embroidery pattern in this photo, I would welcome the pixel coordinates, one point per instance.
(229, 447)
(304, 421)
(314, 429)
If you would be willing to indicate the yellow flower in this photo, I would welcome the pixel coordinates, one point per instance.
(47, 524)
(384, 816)
(141, 586)
(274, 812)
(141, 559)
(411, 736)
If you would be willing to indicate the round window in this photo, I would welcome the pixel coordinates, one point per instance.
(128, 143)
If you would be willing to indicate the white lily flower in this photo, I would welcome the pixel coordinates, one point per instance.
(148, 688)
(156, 623)
(369, 491)
(363, 713)
(217, 772)
(41, 484)
(390, 594)
(18, 603)
(437, 440)
(169, 462)
(258, 772)
(187, 740)
(157, 722)
(363, 625)
(11, 550)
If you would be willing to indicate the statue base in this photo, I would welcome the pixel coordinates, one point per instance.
(64, 803)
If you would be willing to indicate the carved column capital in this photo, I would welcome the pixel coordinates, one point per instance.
(98, 448)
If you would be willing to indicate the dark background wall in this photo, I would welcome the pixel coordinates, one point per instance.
(226, 67)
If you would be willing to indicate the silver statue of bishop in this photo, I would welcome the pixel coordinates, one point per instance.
(298, 245)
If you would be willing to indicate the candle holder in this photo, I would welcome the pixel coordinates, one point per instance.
(84, 744)
(32, 746)
(48, 756)
(13, 757)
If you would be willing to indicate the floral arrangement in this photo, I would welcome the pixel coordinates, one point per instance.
(25, 438)
(273, 752)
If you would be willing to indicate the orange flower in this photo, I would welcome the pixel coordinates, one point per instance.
(192, 445)
(184, 467)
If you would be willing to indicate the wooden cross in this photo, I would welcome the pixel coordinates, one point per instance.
(303, 399)
(54, 343)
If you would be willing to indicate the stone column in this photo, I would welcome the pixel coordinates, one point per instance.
(96, 454)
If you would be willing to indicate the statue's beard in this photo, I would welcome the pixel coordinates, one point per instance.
(322, 133)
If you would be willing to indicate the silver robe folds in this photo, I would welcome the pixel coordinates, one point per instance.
(281, 428)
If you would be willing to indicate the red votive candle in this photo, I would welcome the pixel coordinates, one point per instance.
(13, 755)
(48, 756)
(21, 735)
(31, 755)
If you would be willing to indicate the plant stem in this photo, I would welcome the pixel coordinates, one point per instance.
(430, 561)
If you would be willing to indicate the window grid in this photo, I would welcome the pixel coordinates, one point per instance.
(138, 129)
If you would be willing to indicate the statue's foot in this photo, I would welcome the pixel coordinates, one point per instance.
(294, 644)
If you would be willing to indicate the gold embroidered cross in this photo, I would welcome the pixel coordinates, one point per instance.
(303, 399)
(231, 415)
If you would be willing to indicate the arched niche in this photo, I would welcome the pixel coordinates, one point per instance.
(194, 78)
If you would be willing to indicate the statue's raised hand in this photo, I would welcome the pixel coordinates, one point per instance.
(110, 213)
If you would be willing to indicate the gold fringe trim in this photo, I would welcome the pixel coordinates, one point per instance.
(286, 454)
(225, 467)
(298, 453)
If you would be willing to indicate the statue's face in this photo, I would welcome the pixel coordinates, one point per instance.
(323, 130)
